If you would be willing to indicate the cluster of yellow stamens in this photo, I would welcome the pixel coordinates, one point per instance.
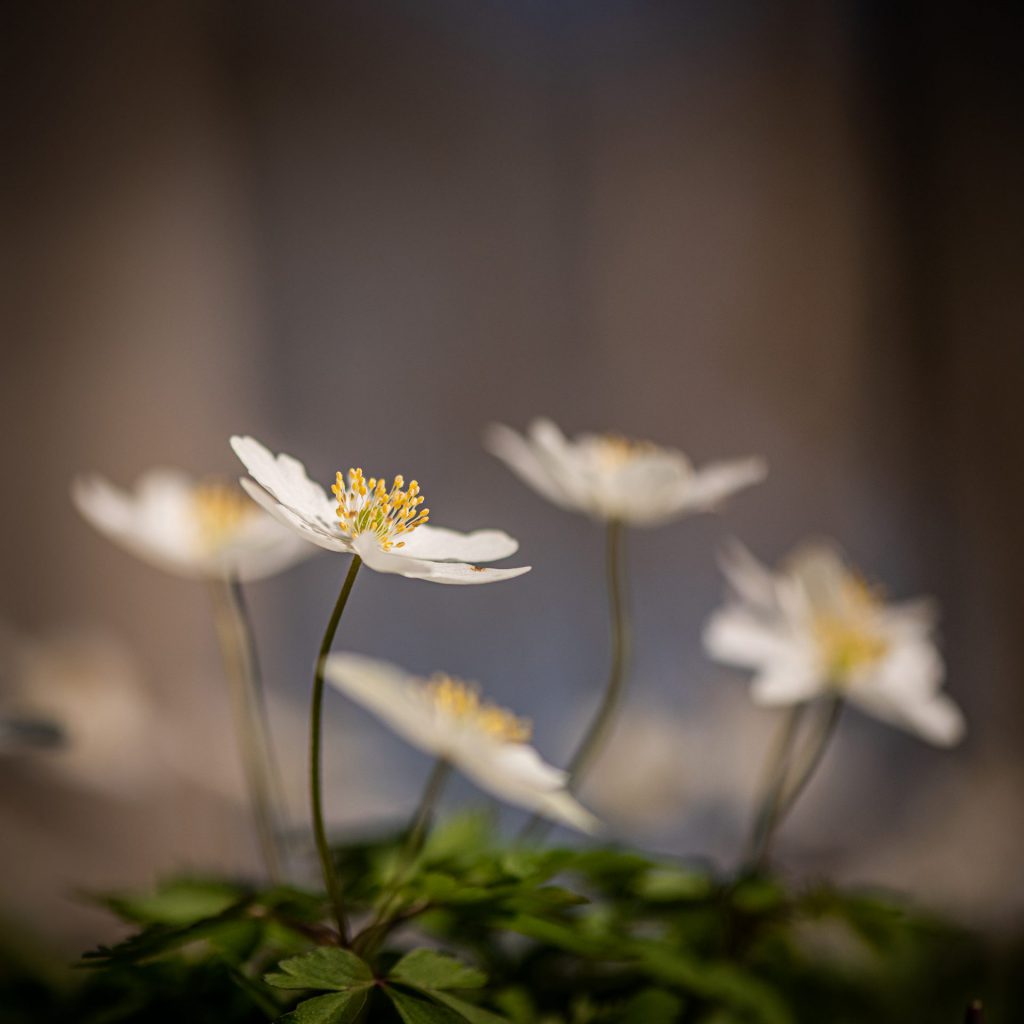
(848, 635)
(368, 506)
(462, 700)
(219, 511)
(614, 450)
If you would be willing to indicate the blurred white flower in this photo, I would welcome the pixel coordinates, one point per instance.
(192, 529)
(89, 687)
(385, 527)
(815, 628)
(446, 717)
(611, 478)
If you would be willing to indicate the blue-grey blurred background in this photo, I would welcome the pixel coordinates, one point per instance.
(361, 232)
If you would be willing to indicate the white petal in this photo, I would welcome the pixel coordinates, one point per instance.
(517, 773)
(903, 691)
(396, 697)
(458, 573)
(643, 491)
(737, 636)
(748, 576)
(155, 523)
(716, 481)
(440, 545)
(526, 462)
(311, 530)
(513, 771)
(285, 478)
(263, 547)
(790, 680)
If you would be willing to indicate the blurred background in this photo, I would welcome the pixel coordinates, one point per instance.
(361, 232)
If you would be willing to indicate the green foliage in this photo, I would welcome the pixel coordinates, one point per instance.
(474, 931)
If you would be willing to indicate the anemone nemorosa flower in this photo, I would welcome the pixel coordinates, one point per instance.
(816, 628)
(190, 528)
(611, 478)
(447, 718)
(385, 526)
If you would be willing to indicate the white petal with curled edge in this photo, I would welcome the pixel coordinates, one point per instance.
(442, 545)
(457, 573)
(286, 479)
(517, 773)
(525, 461)
(313, 531)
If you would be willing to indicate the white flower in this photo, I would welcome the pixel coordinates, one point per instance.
(611, 478)
(192, 529)
(446, 717)
(816, 628)
(385, 527)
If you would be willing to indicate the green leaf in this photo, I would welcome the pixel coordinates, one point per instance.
(715, 981)
(428, 969)
(470, 1011)
(181, 901)
(652, 1006)
(338, 1008)
(415, 1010)
(327, 967)
(670, 885)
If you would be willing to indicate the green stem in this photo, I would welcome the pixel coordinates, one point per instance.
(601, 725)
(323, 849)
(595, 736)
(775, 777)
(242, 668)
(414, 838)
(801, 777)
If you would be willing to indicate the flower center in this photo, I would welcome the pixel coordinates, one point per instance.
(848, 637)
(614, 450)
(462, 701)
(219, 512)
(367, 506)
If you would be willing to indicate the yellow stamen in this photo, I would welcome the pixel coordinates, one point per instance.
(848, 636)
(368, 506)
(462, 700)
(614, 450)
(219, 512)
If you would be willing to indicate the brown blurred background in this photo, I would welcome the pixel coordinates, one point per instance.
(363, 231)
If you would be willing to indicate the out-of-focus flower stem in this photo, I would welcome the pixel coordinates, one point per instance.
(323, 849)
(595, 736)
(415, 836)
(790, 783)
(234, 631)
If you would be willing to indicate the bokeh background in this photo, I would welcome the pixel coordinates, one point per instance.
(361, 232)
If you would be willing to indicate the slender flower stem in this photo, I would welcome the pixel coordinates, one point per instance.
(425, 809)
(242, 667)
(323, 849)
(414, 838)
(775, 780)
(600, 727)
(799, 779)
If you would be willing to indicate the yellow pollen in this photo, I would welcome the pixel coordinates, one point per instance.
(462, 701)
(614, 450)
(369, 506)
(849, 638)
(219, 511)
